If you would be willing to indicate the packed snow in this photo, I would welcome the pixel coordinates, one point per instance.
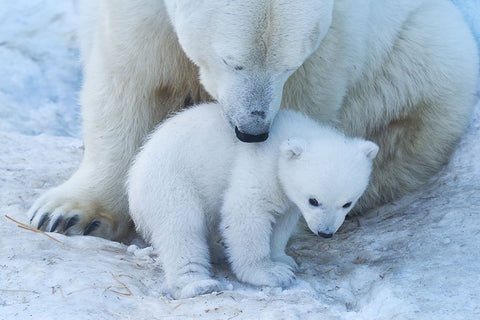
(417, 258)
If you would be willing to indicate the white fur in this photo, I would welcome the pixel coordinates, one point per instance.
(400, 73)
(193, 178)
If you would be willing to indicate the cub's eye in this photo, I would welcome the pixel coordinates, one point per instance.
(313, 202)
(347, 205)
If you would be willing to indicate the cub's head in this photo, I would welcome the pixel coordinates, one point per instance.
(324, 178)
(247, 49)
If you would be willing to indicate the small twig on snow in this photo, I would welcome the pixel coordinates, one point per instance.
(124, 286)
(30, 228)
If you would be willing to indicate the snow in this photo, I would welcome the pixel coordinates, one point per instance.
(417, 258)
(39, 70)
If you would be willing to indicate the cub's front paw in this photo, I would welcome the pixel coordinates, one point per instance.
(267, 273)
(196, 288)
(286, 259)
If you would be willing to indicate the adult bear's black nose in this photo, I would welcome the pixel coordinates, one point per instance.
(325, 235)
(245, 137)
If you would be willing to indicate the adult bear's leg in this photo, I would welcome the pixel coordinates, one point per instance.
(135, 74)
(418, 104)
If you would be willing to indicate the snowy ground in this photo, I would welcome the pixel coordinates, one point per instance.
(418, 258)
(39, 70)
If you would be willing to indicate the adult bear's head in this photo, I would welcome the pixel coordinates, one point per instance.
(247, 49)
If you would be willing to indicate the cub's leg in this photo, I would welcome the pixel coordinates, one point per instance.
(131, 69)
(247, 230)
(281, 232)
(180, 236)
(169, 213)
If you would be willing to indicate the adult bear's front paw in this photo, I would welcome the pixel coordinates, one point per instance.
(266, 273)
(75, 212)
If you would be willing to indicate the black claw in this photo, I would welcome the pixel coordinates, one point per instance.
(43, 219)
(33, 216)
(70, 222)
(92, 226)
(55, 224)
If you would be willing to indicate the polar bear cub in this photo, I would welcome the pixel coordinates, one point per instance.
(194, 180)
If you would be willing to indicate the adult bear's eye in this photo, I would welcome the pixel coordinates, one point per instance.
(235, 67)
(313, 202)
(347, 205)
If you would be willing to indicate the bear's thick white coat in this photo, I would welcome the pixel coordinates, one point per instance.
(400, 73)
(193, 179)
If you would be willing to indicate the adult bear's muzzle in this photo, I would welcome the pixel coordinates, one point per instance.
(250, 138)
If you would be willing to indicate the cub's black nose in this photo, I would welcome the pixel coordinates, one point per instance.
(249, 138)
(325, 235)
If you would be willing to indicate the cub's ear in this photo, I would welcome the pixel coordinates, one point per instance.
(369, 148)
(293, 148)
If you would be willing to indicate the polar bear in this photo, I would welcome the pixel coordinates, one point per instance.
(400, 73)
(194, 178)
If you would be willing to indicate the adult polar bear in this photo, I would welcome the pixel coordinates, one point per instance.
(400, 73)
